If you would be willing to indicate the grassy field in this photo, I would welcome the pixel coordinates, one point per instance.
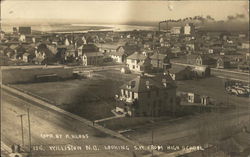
(92, 98)
(212, 87)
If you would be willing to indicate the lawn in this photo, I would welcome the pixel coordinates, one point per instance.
(212, 87)
(91, 98)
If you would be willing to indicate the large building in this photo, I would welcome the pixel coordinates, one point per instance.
(147, 96)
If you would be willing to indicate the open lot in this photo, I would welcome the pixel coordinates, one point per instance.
(92, 98)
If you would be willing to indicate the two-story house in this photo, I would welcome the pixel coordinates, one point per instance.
(147, 96)
(138, 62)
(160, 61)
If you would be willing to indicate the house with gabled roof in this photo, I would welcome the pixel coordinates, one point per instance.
(138, 62)
(118, 56)
(92, 58)
(203, 59)
(147, 96)
(182, 74)
(223, 62)
(160, 61)
(127, 49)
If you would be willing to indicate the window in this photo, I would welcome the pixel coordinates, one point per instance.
(133, 67)
(133, 95)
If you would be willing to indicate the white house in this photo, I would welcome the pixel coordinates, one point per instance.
(138, 62)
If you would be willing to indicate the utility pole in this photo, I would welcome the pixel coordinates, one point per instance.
(152, 135)
(21, 117)
(28, 111)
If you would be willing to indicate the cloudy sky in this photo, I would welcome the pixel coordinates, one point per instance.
(120, 11)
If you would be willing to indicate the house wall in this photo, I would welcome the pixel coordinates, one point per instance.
(155, 63)
(132, 64)
(118, 59)
(19, 75)
(156, 104)
(222, 64)
(93, 60)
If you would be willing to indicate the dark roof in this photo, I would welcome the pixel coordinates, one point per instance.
(174, 71)
(90, 48)
(117, 53)
(91, 54)
(21, 49)
(136, 56)
(129, 49)
(192, 56)
(223, 58)
(139, 84)
(158, 56)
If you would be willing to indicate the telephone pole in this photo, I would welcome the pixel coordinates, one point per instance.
(21, 118)
(28, 111)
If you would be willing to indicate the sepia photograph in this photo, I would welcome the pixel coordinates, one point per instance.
(125, 78)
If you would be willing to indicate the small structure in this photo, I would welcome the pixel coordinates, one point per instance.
(223, 63)
(193, 98)
(27, 57)
(202, 71)
(205, 100)
(125, 70)
(184, 74)
(204, 60)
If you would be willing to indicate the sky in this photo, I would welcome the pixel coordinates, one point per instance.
(120, 11)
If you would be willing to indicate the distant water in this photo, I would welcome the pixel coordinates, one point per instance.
(65, 28)
(118, 27)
